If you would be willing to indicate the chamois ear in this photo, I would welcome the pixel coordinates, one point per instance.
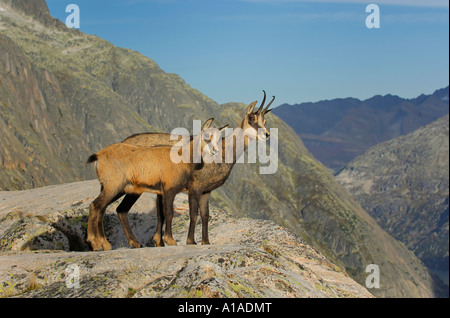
(207, 124)
(223, 128)
(251, 107)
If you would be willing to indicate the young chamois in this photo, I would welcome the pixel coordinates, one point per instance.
(210, 177)
(131, 169)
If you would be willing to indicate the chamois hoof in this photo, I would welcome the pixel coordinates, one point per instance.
(190, 242)
(96, 247)
(170, 241)
(99, 245)
(106, 245)
(205, 243)
(158, 241)
(134, 244)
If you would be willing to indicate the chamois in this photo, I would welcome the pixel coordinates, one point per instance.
(210, 177)
(132, 169)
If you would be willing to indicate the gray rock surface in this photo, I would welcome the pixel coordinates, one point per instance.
(43, 253)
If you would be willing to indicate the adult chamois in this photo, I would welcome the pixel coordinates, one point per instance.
(210, 177)
(124, 168)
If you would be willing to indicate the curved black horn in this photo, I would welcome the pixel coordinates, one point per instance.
(262, 103)
(266, 110)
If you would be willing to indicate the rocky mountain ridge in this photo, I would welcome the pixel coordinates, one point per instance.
(248, 258)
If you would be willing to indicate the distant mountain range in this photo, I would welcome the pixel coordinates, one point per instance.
(338, 130)
(404, 184)
(65, 95)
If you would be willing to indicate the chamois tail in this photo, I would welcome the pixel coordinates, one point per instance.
(92, 159)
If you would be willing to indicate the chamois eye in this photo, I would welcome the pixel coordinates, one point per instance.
(251, 118)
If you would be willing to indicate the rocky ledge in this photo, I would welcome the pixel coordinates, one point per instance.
(43, 254)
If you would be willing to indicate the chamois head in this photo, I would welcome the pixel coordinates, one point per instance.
(254, 121)
(210, 138)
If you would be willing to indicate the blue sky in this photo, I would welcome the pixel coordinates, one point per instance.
(297, 50)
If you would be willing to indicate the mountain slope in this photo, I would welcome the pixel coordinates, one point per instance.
(338, 130)
(403, 183)
(66, 95)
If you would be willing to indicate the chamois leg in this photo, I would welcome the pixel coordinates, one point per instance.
(157, 238)
(193, 216)
(92, 228)
(122, 211)
(95, 232)
(204, 212)
(101, 229)
(168, 199)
